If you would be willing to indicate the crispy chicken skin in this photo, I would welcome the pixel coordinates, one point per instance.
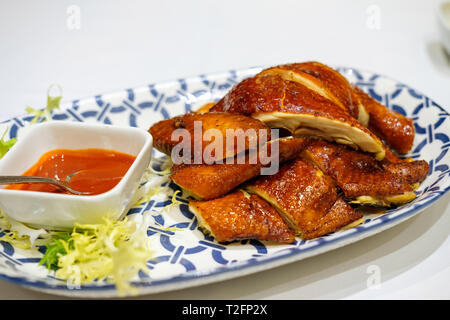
(212, 181)
(161, 133)
(343, 147)
(394, 128)
(244, 128)
(340, 215)
(363, 178)
(325, 81)
(304, 197)
(239, 216)
(410, 171)
(302, 111)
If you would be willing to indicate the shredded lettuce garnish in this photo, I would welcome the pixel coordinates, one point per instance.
(167, 168)
(45, 114)
(6, 145)
(52, 104)
(12, 237)
(149, 195)
(18, 234)
(114, 251)
(152, 185)
(175, 201)
(55, 248)
(173, 229)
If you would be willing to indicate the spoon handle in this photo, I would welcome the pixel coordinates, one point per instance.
(44, 180)
(27, 179)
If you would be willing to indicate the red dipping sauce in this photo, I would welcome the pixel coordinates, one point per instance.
(99, 170)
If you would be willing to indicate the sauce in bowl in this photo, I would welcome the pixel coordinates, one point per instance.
(96, 170)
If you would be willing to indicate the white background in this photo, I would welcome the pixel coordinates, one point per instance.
(124, 44)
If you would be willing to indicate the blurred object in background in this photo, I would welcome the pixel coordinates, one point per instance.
(444, 24)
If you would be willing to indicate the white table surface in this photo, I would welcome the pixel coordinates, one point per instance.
(123, 44)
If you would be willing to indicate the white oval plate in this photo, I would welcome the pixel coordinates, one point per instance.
(189, 258)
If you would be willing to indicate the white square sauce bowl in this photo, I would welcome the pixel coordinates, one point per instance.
(60, 211)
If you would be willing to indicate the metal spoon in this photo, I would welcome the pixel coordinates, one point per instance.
(42, 180)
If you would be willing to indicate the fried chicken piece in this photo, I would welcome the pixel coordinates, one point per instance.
(243, 131)
(364, 179)
(325, 81)
(410, 171)
(212, 181)
(393, 127)
(295, 107)
(305, 198)
(239, 216)
(341, 215)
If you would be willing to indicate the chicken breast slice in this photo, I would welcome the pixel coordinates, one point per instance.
(305, 198)
(295, 107)
(327, 82)
(212, 181)
(243, 133)
(239, 216)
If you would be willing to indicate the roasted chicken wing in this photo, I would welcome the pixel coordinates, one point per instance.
(394, 128)
(362, 178)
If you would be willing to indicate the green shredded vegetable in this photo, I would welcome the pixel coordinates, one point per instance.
(6, 145)
(175, 201)
(52, 104)
(173, 229)
(12, 237)
(114, 251)
(54, 249)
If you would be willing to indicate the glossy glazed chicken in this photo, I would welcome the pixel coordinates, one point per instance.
(246, 129)
(394, 128)
(325, 81)
(363, 179)
(291, 105)
(212, 181)
(340, 216)
(306, 199)
(348, 160)
(238, 216)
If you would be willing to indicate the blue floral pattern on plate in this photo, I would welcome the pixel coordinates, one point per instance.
(188, 257)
